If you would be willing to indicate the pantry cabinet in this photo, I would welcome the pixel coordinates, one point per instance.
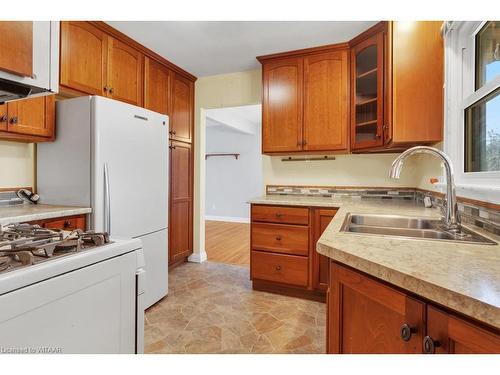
(283, 257)
(369, 316)
(28, 120)
(180, 202)
(305, 101)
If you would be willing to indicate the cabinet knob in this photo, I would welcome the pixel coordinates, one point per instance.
(171, 147)
(3, 118)
(304, 142)
(67, 224)
(13, 120)
(110, 90)
(278, 238)
(406, 331)
(430, 345)
(278, 214)
(278, 268)
(105, 88)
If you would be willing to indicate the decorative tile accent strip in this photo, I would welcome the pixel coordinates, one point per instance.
(486, 218)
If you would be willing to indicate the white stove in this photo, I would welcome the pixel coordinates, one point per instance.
(86, 289)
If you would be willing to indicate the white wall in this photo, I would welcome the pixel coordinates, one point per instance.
(230, 183)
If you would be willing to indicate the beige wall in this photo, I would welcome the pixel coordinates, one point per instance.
(16, 164)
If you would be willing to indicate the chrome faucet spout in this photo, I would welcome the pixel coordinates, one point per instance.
(451, 218)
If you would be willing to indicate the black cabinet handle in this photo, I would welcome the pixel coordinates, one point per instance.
(406, 331)
(13, 120)
(278, 268)
(278, 214)
(278, 238)
(430, 345)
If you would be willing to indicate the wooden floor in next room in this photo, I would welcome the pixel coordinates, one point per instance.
(227, 242)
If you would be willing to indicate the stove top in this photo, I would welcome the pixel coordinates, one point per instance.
(23, 245)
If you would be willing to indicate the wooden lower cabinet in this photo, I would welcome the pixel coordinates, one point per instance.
(368, 316)
(283, 257)
(28, 120)
(68, 223)
(181, 202)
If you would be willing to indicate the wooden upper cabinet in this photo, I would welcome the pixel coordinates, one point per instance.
(35, 116)
(16, 45)
(326, 108)
(181, 108)
(450, 334)
(84, 56)
(367, 92)
(124, 72)
(417, 82)
(156, 86)
(368, 317)
(282, 105)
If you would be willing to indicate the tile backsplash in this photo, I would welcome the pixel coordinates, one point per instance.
(483, 215)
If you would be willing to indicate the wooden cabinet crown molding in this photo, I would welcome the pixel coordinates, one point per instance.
(146, 51)
(304, 51)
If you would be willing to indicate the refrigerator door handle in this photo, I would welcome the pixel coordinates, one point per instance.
(107, 201)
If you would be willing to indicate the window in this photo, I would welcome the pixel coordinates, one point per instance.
(472, 90)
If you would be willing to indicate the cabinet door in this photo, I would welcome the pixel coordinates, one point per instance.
(35, 116)
(181, 201)
(367, 93)
(321, 264)
(417, 82)
(16, 45)
(282, 105)
(156, 86)
(4, 118)
(447, 333)
(124, 72)
(83, 57)
(181, 108)
(366, 316)
(326, 109)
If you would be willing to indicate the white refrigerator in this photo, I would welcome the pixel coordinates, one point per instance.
(113, 157)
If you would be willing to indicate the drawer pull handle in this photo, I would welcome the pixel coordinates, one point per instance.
(278, 268)
(67, 224)
(406, 331)
(278, 215)
(430, 345)
(278, 238)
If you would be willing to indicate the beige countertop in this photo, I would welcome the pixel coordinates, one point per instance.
(30, 212)
(462, 277)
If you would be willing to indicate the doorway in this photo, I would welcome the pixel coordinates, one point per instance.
(233, 176)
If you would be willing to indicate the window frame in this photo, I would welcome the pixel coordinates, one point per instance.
(460, 93)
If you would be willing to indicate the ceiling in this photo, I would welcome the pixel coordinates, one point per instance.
(206, 48)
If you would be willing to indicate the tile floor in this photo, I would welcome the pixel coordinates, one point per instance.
(211, 308)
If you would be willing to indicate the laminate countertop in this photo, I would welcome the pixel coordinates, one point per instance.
(29, 212)
(463, 277)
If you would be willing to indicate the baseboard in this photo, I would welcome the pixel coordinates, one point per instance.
(198, 257)
(230, 219)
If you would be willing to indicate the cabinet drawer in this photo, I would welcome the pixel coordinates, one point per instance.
(70, 223)
(287, 239)
(286, 269)
(281, 214)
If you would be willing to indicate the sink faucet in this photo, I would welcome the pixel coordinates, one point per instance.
(451, 218)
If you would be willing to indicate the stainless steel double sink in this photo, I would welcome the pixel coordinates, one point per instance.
(409, 227)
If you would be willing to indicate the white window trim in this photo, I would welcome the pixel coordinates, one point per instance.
(459, 94)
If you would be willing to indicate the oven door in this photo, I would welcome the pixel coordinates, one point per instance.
(88, 310)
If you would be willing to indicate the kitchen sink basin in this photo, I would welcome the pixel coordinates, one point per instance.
(409, 227)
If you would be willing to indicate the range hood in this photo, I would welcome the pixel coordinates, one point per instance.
(44, 76)
(11, 90)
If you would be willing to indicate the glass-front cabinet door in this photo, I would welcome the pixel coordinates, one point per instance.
(367, 90)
